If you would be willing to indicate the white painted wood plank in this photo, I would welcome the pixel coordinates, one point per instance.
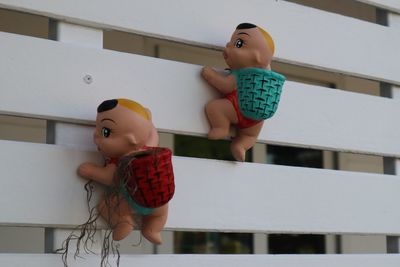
(76, 34)
(74, 136)
(396, 93)
(68, 134)
(260, 243)
(394, 21)
(260, 240)
(308, 116)
(40, 182)
(303, 35)
(393, 243)
(210, 195)
(391, 5)
(378, 260)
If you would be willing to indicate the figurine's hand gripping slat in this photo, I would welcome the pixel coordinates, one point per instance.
(100, 174)
(223, 83)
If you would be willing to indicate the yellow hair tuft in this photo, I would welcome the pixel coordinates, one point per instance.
(134, 106)
(268, 38)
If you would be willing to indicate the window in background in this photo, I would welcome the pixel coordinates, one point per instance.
(293, 156)
(199, 147)
(213, 243)
(296, 244)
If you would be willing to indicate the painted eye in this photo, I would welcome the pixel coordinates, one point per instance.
(239, 43)
(105, 132)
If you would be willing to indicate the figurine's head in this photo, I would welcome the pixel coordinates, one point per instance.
(122, 126)
(250, 47)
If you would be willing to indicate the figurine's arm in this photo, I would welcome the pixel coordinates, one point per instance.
(223, 83)
(103, 175)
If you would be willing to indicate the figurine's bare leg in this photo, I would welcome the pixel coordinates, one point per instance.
(221, 114)
(117, 212)
(154, 223)
(244, 140)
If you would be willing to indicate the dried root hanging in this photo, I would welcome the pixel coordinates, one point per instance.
(84, 235)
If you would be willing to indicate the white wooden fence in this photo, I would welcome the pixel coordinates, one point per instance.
(46, 79)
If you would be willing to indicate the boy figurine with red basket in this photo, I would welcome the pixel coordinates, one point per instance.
(137, 173)
(252, 91)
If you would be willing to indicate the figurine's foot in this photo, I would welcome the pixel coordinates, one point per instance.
(238, 152)
(244, 140)
(153, 237)
(122, 230)
(153, 224)
(218, 133)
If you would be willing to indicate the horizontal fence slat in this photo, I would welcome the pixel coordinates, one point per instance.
(391, 5)
(303, 35)
(40, 187)
(52, 74)
(379, 260)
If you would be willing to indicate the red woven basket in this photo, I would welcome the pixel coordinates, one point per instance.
(151, 177)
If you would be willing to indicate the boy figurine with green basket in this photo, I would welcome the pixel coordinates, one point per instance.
(252, 91)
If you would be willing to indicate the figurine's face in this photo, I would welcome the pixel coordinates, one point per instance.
(247, 48)
(121, 131)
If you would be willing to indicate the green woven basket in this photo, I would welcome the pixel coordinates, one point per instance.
(259, 92)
